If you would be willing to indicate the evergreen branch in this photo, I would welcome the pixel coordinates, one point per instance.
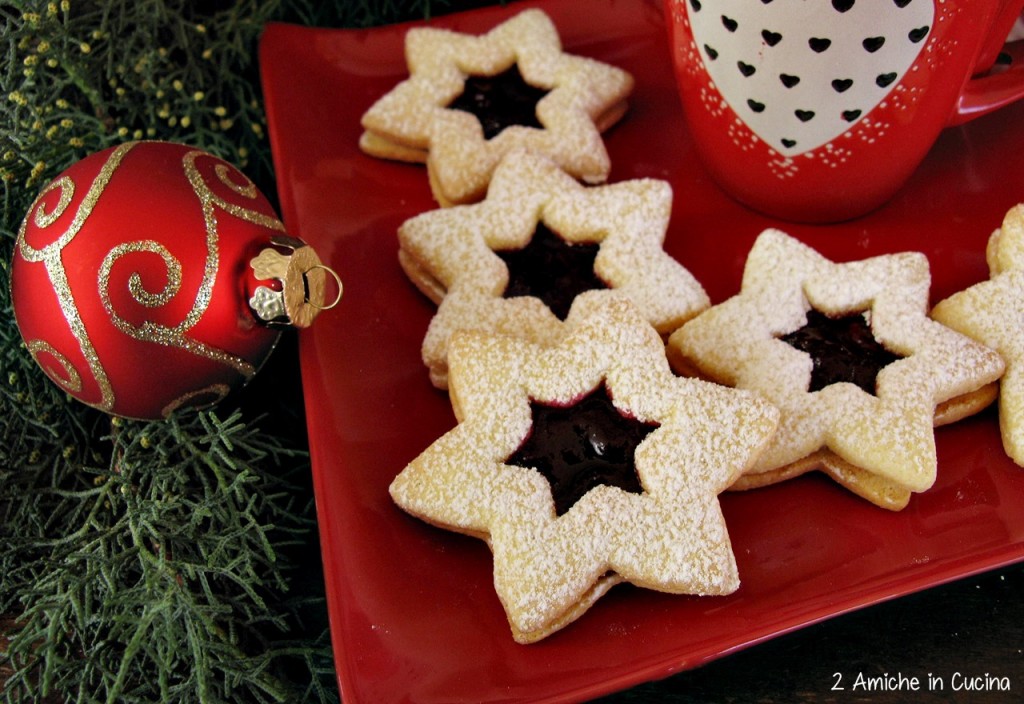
(158, 568)
(145, 562)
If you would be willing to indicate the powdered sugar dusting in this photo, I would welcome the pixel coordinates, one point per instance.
(992, 312)
(411, 122)
(453, 253)
(549, 569)
(889, 434)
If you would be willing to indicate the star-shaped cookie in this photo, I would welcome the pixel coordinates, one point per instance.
(549, 568)
(454, 254)
(879, 442)
(582, 97)
(991, 312)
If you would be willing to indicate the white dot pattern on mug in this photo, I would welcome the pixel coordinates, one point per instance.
(801, 74)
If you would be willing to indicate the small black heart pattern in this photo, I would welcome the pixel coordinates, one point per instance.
(818, 45)
(824, 47)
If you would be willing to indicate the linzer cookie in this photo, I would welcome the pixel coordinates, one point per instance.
(514, 262)
(469, 100)
(849, 355)
(586, 464)
(990, 312)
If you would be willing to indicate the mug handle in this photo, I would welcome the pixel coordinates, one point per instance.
(999, 76)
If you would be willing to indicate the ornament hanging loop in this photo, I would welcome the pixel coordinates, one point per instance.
(303, 279)
(337, 280)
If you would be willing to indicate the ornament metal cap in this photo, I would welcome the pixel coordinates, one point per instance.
(303, 281)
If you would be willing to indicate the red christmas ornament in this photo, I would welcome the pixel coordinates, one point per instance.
(133, 274)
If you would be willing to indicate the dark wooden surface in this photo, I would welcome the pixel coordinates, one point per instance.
(971, 628)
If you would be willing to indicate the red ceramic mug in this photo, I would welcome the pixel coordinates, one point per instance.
(819, 110)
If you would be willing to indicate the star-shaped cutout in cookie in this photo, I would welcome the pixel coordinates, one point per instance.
(453, 254)
(992, 312)
(551, 269)
(879, 445)
(549, 568)
(415, 121)
(500, 101)
(582, 446)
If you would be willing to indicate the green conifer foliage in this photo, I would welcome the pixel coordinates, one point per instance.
(170, 561)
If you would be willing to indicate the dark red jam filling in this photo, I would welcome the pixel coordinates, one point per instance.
(842, 349)
(553, 270)
(582, 446)
(500, 101)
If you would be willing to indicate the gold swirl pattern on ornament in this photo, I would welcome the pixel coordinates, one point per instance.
(50, 256)
(219, 391)
(71, 381)
(67, 192)
(85, 209)
(153, 332)
(247, 189)
(176, 335)
(210, 199)
(135, 285)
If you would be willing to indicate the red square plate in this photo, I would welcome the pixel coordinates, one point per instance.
(413, 612)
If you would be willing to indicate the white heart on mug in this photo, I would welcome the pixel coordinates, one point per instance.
(800, 74)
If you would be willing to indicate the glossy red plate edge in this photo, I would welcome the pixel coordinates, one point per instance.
(413, 614)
